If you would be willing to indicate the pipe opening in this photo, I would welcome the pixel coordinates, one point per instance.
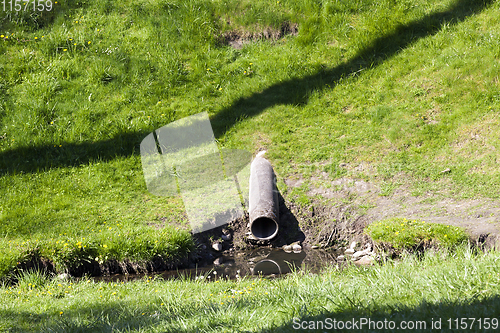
(264, 228)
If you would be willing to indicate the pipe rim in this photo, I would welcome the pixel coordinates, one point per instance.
(258, 223)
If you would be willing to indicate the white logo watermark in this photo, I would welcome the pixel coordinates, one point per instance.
(183, 158)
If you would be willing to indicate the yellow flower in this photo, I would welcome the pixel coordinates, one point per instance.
(1, 36)
(104, 245)
(89, 42)
(36, 37)
(60, 313)
(65, 50)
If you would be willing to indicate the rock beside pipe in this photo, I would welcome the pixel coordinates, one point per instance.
(263, 200)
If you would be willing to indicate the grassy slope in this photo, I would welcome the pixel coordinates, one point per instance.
(408, 89)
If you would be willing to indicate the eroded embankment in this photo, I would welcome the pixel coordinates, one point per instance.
(334, 219)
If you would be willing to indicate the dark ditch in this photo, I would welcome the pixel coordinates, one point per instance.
(267, 262)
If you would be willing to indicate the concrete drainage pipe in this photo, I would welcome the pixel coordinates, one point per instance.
(263, 200)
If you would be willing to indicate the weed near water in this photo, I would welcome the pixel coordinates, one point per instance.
(402, 233)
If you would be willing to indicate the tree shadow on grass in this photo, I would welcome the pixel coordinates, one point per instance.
(293, 91)
(443, 316)
(39, 158)
(296, 91)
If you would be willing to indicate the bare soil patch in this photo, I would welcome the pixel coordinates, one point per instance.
(238, 38)
(364, 203)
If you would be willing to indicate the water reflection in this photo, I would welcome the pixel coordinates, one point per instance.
(259, 262)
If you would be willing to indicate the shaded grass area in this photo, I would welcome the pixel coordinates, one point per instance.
(440, 285)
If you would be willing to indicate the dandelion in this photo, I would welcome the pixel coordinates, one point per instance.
(89, 42)
(36, 37)
(65, 50)
(1, 36)
(74, 44)
(60, 313)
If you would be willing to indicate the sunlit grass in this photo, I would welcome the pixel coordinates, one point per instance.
(402, 233)
(81, 87)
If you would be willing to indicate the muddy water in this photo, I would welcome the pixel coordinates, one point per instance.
(259, 262)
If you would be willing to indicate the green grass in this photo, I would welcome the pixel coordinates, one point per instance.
(407, 89)
(441, 285)
(401, 233)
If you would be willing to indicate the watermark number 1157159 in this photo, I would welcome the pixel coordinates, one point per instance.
(26, 5)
